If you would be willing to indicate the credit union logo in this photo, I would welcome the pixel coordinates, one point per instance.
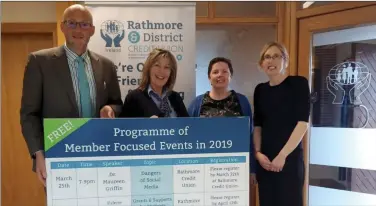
(112, 32)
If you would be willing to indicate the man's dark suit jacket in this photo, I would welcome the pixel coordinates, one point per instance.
(48, 92)
(138, 103)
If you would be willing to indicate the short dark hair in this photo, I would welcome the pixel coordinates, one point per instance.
(220, 59)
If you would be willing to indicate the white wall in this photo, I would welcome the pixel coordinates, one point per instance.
(242, 44)
(28, 11)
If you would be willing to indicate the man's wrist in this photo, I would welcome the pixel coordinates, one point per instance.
(109, 107)
(37, 152)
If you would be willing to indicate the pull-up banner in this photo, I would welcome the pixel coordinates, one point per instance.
(127, 32)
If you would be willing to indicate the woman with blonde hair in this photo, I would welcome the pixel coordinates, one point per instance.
(155, 96)
(281, 114)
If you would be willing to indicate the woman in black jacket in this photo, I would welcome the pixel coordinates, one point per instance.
(155, 95)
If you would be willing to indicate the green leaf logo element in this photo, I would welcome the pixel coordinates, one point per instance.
(56, 130)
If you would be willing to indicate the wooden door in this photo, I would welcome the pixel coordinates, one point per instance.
(337, 53)
(19, 185)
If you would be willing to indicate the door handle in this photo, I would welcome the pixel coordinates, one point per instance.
(367, 115)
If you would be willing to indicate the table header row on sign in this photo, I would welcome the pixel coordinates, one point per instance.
(146, 162)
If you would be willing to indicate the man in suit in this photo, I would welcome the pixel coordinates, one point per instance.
(67, 82)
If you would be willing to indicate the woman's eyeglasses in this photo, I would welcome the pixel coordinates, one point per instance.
(268, 57)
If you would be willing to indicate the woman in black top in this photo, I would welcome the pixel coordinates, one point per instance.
(281, 116)
(155, 96)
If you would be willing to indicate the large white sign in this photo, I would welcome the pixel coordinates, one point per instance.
(98, 162)
(127, 32)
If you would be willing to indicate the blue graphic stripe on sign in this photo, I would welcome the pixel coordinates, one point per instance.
(162, 136)
(146, 162)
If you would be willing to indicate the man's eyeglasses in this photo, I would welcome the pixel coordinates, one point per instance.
(73, 24)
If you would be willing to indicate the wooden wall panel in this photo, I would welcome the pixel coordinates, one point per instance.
(19, 185)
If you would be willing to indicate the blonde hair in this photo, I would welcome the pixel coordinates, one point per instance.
(150, 61)
(281, 47)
